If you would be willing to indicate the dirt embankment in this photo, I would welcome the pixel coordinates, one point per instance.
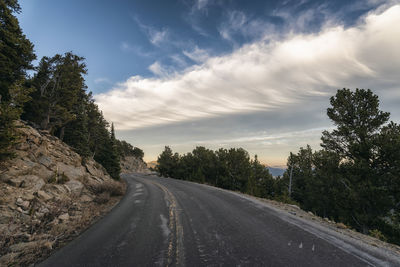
(48, 195)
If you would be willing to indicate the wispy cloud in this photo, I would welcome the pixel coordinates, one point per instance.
(281, 74)
(200, 4)
(102, 80)
(178, 60)
(197, 54)
(198, 9)
(158, 69)
(235, 22)
(156, 36)
(127, 47)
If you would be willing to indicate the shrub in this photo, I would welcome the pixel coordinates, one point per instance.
(112, 187)
(102, 198)
(58, 178)
(377, 234)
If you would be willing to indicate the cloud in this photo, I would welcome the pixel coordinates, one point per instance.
(158, 69)
(200, 4)
(102, 80)
(198, 10)
(156, 36)
(235, 22)
(127, 47)
(274, 76)
(197, 54)
(178, 60)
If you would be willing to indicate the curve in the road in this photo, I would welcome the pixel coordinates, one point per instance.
(167, 222)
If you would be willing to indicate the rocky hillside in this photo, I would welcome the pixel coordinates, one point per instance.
(131, 164)
(48, 195)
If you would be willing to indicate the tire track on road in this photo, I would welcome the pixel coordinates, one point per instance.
(176, 255)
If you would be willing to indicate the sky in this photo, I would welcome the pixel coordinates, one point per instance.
(223, 73)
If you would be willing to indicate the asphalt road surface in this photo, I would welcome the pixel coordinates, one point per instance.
(166, 222)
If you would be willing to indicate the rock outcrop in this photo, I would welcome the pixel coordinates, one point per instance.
(48, 194)
(131, 164)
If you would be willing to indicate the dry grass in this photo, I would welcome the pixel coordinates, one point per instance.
(112, 187)
(57, 178)
(102, 198)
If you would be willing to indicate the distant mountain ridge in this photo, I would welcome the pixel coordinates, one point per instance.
(274, 171)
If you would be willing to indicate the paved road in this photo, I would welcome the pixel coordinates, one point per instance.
(166, 222)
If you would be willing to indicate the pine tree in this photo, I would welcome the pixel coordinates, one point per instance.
(166, 162)
(59, 84)
(103, 149)
(16, 51)
(115, 157)
(359, 121)
(9, 112)
(16, 55)
(77, 133)
(260, 183)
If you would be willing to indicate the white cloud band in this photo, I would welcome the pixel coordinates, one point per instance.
(265, 75)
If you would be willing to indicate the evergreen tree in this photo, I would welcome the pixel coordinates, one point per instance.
(125, 149)
(102, 147)
(77, 133)
(359, 121)
(261, 183)
(167, 162)
(302, 173)
(59, 85)
(16, 51)
(16, 55)
(328, 190)
(106, 154)
(115, 168)
(9, 113)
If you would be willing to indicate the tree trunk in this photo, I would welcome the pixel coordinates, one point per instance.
(62, 132)
(45, 122)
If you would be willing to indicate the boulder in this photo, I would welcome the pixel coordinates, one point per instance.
(31, 182)
(24, 146)
(7, 216)
(74, 186)
(28, 196)
(36, 183)
(93, 170)
(64, 217)
(41, 212)
(17, 182)
(131, 164)
(24, 204)
(59, 189)
(70, 171)
(44, 160)
(43, 195)
(5, 177)
(43, 172)
(86, 198)
(23, 163)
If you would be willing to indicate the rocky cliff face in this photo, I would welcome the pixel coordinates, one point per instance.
(132, 164)
(48, 195)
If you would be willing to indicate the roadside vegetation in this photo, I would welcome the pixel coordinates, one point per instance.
(54, 99)
(354, 179)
